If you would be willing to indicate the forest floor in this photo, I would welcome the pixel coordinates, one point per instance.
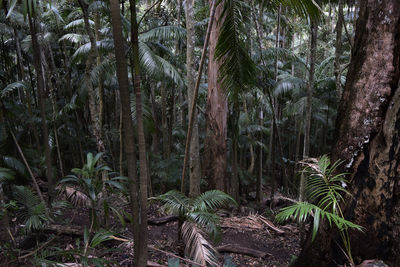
(242, 229)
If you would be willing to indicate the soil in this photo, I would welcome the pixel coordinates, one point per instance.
(278, 247)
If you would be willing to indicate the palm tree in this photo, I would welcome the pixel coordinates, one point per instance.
(197, 220)
(128, 135)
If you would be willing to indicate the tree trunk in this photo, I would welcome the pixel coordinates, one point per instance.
(338, 50)
(128, 131)
(307, 126)
(216, 117)
(367, 139)
(41, 99)
(143, 234)
(164, 121)
(194, 163)
(93, 54)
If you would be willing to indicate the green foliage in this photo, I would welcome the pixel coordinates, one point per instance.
(30, 209)
(90, 185)
(324, 187)
(237, 70)
(197, 218)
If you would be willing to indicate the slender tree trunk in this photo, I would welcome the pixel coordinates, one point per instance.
(41, 99)
(128, 132)
(194, 163)
(28, 98)
(367, 139)
(100, 80)
(338, 50)
(216, 117)
(141, 139)
(164, 120)
(307, 126)
(260, 163)
(93, 54)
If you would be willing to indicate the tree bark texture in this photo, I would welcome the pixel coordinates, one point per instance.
(368, 138)
(216, 117)
(194, 162)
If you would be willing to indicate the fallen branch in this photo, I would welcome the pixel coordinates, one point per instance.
(162, 220)
(242, 250)
(271, 225)
(64, 229)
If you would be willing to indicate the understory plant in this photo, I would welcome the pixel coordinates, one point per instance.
(197, 221)
(89, 186)
(325, 190)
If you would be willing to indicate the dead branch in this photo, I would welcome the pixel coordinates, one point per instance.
(242, 250)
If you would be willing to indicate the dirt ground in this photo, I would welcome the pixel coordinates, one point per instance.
(242, 229)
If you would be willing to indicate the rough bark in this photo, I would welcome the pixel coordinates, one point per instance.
(367, 138)
(216, 117)
(194, 163)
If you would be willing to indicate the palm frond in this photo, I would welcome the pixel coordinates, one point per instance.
(288, 83)
(157, 66)
(76, 197)
(237, 70)
(301, 211)
(174, 202)
(163, 33)
(211, 200)
(208, 221)
(32, 211)
(11, 87)
(77, 23)
(74, 38)
(197, 246)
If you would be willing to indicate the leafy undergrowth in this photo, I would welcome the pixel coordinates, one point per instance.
(239, 229)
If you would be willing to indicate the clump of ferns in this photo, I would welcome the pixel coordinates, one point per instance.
(325, 189)
(26, 206)
(87, 187)
(197, 221)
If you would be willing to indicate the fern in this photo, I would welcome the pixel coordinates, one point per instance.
(199, 220)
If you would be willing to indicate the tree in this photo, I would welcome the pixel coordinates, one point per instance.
(128, 135)
(216, 116)
(195, 166)
(367, 139)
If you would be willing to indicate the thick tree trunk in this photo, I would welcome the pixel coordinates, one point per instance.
(216, 117)
(367, 138)
(194, 163)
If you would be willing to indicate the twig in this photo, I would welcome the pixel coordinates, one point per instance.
(147, 11)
